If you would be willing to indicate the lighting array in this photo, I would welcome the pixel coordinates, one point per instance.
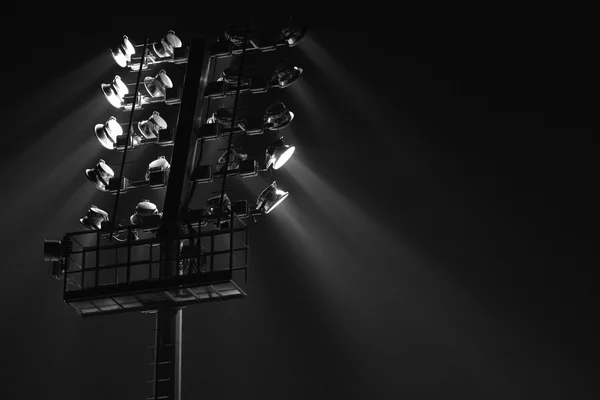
(276, 117)
(111, 134)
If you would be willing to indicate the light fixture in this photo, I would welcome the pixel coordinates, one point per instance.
(166, 46)
(231, 76)
(158, 170)
(285, 74)
(144, 208)
(270, 198)
(94, 218)
(107, 133)
(223, 117)
(278, 116)
(100, 175)
(157, 85)
(115, 92)
(212, 205)
(211, 208)
(149, 128)
(234, 160)
(235, 36)
(122, 53)
(292, 34)
(278, 154)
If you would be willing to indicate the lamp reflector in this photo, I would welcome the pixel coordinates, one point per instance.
(107, 133)
(278, 116)
(278, 154)
(143, 209)
(167, 44)
(122, 53)
(234, 160)
(94, 218)
(100, 175)
(292, 35)
(157, 85)
(285, 74)
(270, 198)
(115, 92)
(149, 128)
(159, 165)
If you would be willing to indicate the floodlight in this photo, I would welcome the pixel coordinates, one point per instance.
(101, 175)
(211, 208)
(278, 153)
(284, 75)
(278, 116)
(159, 165)
(157, 85)
(234, 160)
(223, 116)
(115, 92)
(107, 133)
(212, 205)
(166, 46)
(143, 209)
(94, 218)
(270, 198)
(122, 53)
(292, 34)
(149, 128)
(230, 75)
(234, 36)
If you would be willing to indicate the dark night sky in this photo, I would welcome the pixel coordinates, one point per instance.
(437, 242)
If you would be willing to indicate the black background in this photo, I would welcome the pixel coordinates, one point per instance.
(438, 241)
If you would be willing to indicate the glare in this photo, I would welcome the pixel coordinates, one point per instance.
(284, 157)
(278, 154)
(122, 53)
(115, 92)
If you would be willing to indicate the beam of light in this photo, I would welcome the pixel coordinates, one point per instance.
(366, 103)
(362, 268)
(55, 100)
(52, 168)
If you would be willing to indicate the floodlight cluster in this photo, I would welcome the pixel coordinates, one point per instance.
(112, 135)
(276, 116)
(155, 86)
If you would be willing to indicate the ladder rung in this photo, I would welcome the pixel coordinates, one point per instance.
(151, 346)
(160, 380)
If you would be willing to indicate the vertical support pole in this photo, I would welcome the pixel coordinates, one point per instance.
(169, 319)
(97, 257)
(167, 360)
(178, 186)
(231, 230)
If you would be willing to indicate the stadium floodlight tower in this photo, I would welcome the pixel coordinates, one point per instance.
(155, 261)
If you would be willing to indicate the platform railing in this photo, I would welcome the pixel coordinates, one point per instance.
(96, 261)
